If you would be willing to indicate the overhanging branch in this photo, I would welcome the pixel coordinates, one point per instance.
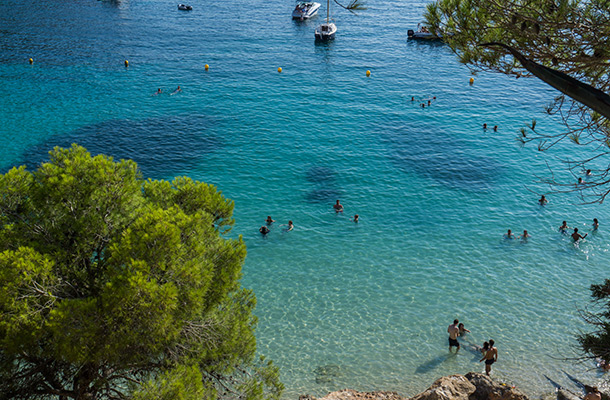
(577, 90)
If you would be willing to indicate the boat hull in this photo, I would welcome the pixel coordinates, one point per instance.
(418, 35)
(325, 31)
(305, 10)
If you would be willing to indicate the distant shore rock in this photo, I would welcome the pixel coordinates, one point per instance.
(472, 386)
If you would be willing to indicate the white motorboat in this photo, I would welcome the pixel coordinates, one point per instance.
(184, 7)
(327, 29)
(305, 10)
(422, 32)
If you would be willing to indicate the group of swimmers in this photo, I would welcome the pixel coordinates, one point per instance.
(423, 105)
(495, 127)
(265, 229)
(563, 228)
(176, 91)
(489, 351)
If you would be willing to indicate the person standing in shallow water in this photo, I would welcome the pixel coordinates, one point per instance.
(490, 357)
(454, 332)
(338, 207)
(577, 236)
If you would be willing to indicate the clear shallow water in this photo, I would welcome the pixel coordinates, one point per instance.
(363, 306)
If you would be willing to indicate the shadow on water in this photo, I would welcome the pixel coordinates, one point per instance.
(472, 348)
(428, 366)
(326, 374)
(160, 146)
(436, 154)
(320, 175)
(325, 187)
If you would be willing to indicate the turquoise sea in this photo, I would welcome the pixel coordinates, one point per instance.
(341, 305)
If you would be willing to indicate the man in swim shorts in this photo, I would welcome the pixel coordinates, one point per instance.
(454, 332)
(490, 357)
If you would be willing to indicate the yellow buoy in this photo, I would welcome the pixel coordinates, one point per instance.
(368, 73)
(471, 81)
(207, 67)
(279, 69)
(31, 61)
(126, 63)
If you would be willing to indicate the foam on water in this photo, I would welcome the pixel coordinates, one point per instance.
(340, 304)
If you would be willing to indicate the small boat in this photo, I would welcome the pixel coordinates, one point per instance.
(422, 32)
(184, 7)
(305, 9)
(326, 30)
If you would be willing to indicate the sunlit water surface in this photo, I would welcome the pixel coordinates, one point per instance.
(366, 305)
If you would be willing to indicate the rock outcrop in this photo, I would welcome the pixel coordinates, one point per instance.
(490, 390)
(454, 387)
(472, 386)
(348, 394)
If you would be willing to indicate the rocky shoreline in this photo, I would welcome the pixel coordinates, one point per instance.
(472, 386)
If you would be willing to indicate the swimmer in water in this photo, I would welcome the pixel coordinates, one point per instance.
(484, 127)
(543, 200)
(178, 90)
(462, 329)
(509, 235)
(525, 235)
(564, 227)
(269, 221)
(356, 218)
(338, 207)
(588, 173)
(264, 230)
(595, 224)
(495, 128)
(289, 227)
(485, 347)
(577, 236)
(581, 182)
(157, 92)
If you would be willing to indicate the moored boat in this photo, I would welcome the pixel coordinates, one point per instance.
(305, 10)
(424, 33)
(326, 30)
(184, 7)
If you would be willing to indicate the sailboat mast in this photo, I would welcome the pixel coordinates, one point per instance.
(327, 11)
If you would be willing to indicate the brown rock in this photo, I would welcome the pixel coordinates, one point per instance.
(348, 394)
(487, 389)
(454, 387)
